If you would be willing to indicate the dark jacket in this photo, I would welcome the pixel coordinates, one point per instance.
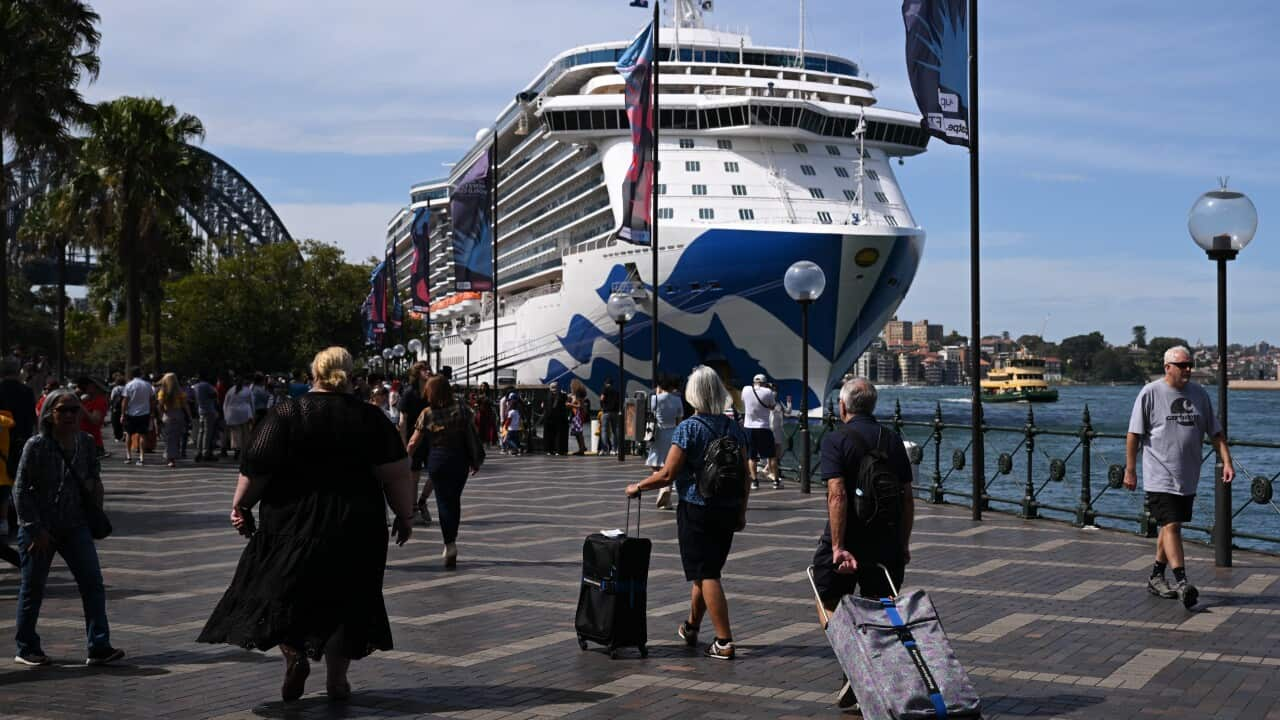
(48, 489)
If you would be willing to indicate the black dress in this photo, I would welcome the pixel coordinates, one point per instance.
(312, 573)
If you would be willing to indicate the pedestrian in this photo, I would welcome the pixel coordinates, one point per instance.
(324, 466)
(206, 401)
(136, 405)
(1170, 418)
(852, 546)
(758, 403)
(447, 428)
(380, 399)
(554, 413)
(705, 525)
(580, 407)
(58, 473)
(7, 553)
(172, 402)
(609, 437)
(94, 402)
(261, 397)
(49, 386)
(413, 400)
(486, 422)
(113, 402)
(668, 410)
(237, 412)
(511, 425)
(222, 385)
(776, 418)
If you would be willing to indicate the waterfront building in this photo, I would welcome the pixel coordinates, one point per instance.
(923, 334)
(897, 333)
(769, 156)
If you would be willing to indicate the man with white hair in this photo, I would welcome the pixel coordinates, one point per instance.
(758, 403)
(1170, 418)
(862, 461)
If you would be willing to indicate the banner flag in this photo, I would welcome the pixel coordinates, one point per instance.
(378, 296)
(472, 230)
(938, 65)
(395, 310)
(635, 66)
(420, 277)
(366, 322)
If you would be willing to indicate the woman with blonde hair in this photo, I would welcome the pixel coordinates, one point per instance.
(704, 525)
(324, 466)
(174, 411)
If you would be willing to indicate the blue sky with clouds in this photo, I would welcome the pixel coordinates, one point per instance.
(1101, 124)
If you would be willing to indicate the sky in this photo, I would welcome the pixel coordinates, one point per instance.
(1101, 123)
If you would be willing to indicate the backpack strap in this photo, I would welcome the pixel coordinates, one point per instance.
(766, 407)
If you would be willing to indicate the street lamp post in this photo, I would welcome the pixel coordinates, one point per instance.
(436, 341)
(468, 334)
(621, 307)
(415, 346)
(387, 354)
(804, 282)
(1222, 222)
(398, 352)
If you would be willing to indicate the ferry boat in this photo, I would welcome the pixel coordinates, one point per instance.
(769, 155)
(1020, 379)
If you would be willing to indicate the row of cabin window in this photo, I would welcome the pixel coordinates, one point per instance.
(741, 191)
(722, 144)
(824, 217)
(733, 167)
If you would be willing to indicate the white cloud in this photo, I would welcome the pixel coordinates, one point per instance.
(358, 228)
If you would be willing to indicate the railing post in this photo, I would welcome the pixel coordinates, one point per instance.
(936, 495)
(1029, 505)
(1084, 514)
(897, 417)
(984, 502)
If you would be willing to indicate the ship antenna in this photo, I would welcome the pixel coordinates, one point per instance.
(801, 58)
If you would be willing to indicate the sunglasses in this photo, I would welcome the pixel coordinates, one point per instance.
(1183, 365)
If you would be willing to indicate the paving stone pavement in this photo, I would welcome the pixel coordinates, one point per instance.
(1051, 621)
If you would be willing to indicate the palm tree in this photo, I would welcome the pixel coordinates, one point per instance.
(138, 149)
(45, 227)
(47, 47)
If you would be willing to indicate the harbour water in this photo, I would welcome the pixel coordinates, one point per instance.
(1252, 418)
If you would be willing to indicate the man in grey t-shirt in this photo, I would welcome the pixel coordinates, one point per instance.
(1169, 421)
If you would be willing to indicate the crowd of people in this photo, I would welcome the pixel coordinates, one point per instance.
(310, 578)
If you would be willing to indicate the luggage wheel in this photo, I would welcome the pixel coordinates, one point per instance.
(613, 653)
(644, 651)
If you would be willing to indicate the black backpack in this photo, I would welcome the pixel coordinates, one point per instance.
(721, 474)
(876, 490)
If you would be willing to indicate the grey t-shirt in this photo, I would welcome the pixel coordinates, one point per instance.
(1172, 424)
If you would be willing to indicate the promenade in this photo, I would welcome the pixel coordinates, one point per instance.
(1051, 621)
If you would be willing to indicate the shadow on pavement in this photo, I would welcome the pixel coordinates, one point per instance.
(1036, 705)
(70, 669)
(423, 700)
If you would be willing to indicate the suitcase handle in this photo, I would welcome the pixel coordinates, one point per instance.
(822, 609)
(638, 505)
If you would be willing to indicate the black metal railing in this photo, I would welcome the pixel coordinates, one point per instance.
(1023, 461)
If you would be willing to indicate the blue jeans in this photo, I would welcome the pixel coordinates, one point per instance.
(448, 483)
(609, 433)
(77, 549)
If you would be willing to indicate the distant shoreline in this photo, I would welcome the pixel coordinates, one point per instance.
(1254, 384)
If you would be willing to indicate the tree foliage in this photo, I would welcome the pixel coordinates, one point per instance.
(270, 308)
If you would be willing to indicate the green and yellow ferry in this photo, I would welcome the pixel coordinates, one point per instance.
(1020, 379)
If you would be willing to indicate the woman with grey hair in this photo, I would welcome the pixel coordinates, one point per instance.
(705, 525)
(58, 472)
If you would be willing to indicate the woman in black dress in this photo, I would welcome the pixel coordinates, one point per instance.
(324, 466)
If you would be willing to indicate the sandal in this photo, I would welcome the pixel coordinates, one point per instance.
(296, 670)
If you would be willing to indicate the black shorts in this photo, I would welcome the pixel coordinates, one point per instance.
(869, 581)
(137, 424)
(1170, 508)
(705, 534)
(762, 445)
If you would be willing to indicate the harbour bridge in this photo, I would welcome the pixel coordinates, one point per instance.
(231, 207)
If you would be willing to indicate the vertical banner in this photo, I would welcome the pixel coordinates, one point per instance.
(938, 65)
(395, 310)
(635, 67)
(419, 278)
(378, 298)
(366, 319)
(469, 206)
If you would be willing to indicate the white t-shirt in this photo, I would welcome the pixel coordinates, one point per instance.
(138, 392)
(758, 402)
(513, 416)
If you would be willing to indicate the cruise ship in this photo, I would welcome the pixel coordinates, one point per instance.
(769, 155)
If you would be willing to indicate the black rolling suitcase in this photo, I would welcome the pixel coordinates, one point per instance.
(611, 601)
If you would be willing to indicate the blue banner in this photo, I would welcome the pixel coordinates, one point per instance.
(378, 297)
(420, 276)
(938, 64)
(472, 230)
(635, 66)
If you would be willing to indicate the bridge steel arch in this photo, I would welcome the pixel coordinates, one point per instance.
(231, 207)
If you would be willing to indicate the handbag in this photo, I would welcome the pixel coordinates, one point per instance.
(95, 517)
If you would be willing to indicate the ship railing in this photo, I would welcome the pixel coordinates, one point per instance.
(1091, 469)
(871, 219)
